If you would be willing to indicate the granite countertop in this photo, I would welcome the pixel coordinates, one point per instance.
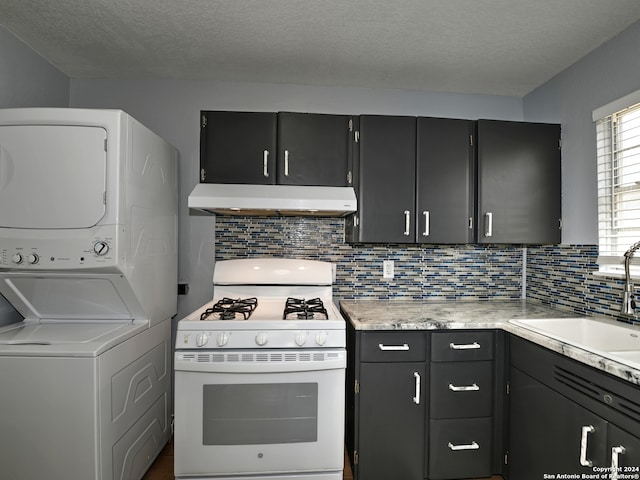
(369, 314)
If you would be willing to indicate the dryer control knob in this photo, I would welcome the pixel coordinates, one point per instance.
(201, 339)
(222, 339)
(261, 339)
(33, 258)
(17, 258)
(101, 248)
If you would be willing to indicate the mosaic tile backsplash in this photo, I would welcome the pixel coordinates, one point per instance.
(562, 275)
(421, 272)
(559, 275)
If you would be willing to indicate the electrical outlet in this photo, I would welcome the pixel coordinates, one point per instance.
(387, 269)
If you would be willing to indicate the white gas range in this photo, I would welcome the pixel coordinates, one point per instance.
(260, 375)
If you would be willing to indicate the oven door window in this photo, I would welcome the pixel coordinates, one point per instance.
(260, 414)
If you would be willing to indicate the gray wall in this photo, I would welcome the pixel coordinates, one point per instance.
(171, 109)
(26, 80)
(606, 74)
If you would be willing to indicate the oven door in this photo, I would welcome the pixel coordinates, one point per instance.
(264, 412)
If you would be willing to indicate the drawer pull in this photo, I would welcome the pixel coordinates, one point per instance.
(615, 461)
(584, 439)
(387, 348)
(464, 346)
(470, 446)
(416, 398)
(464, 388)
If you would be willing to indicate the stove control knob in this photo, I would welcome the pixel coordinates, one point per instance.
(222, 339)
(301, 339)
(321, 338)
(17, 258)
(33, 258)
(201, 339)
(261, 339)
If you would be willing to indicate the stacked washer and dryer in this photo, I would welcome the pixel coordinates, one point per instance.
(88, 256)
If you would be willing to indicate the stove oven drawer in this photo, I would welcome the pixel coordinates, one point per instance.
(393, 346)
(461, 389)
(459, 448)
(462, 346)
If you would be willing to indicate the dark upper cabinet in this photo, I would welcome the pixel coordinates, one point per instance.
(386, 181)
(414, 181)
(444, 180)
(313, 149)
(274, 148)
(518, 182)
(238, 147)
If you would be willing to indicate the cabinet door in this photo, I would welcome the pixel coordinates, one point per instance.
(628, 456)
(238, 147)
(545, 432)
(313, 149)
(518, 182)
(444, 176)
(391, 421)
(386, 195)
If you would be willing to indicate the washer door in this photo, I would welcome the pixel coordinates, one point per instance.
(52, 176)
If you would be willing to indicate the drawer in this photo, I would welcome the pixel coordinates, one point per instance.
(461, 389)
(393, 346)
(460, 448)
(462, 346)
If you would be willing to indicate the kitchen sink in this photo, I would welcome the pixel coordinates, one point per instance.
(607, 338)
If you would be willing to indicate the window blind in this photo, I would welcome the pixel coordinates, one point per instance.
(618, 157)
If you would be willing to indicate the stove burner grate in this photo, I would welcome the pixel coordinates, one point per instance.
(227, 308)
(304, 309)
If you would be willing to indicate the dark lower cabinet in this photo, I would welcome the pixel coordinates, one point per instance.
(391, 430)
(545, 432)
(460, 448)
(424, 405)
(568, 418)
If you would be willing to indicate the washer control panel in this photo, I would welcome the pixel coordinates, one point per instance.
(54, 254)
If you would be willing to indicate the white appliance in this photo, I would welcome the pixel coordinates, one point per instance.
(88, 256)
(265, 200)
(260, 372)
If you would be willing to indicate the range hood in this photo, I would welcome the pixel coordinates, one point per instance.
(273, 200)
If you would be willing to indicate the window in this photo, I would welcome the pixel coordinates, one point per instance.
(618, 156)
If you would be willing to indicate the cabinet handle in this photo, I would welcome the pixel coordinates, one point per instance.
(464, 346)
(407, 221)
(286, 163)
(464, 388)
(584, 439)
(416, 398)
(426, 223)
(387, 348)
(470, 446)
(265, 159)
(488, 224)
(615, 461)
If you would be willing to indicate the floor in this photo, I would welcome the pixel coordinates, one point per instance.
(162, 468)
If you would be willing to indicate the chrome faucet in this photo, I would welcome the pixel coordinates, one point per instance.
(628, 302)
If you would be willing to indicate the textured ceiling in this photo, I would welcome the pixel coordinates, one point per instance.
(504, 47)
